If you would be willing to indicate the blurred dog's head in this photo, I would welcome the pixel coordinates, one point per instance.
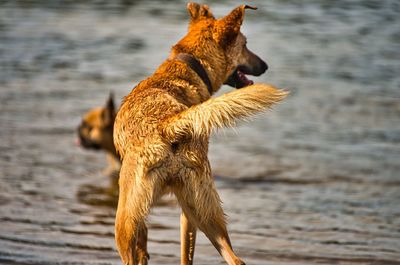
(96, 129)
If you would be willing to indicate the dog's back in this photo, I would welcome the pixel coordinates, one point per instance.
(167, 106)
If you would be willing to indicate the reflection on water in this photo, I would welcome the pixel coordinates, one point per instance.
(95, 195)
(316, 181)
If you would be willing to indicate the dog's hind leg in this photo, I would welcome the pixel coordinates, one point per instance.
(125, 234)
(188, 240)
(141, 255)
(135, 199)
(202, 206)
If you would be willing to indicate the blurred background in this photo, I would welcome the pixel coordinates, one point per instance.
(314, 181)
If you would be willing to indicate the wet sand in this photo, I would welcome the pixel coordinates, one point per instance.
(314, 181)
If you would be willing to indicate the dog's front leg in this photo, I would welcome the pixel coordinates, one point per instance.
(188, 240)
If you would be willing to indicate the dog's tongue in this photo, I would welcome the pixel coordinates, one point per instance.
(244, 79)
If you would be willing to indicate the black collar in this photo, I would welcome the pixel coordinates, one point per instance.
(197, 67)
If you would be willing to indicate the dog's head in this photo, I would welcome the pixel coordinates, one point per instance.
(240, 60)
(96, 129)
(223, 35)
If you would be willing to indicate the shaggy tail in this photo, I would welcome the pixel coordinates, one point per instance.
(222, 111)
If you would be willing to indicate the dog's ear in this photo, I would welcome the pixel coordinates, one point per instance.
(198, 12)
(108, 114)
(228, 27)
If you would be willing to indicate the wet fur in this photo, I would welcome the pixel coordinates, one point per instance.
(162, 132)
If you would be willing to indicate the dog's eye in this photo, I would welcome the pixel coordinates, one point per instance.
(86, 126)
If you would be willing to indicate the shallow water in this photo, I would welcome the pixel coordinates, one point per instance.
(315, 181)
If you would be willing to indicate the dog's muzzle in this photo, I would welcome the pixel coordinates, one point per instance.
(238, 78)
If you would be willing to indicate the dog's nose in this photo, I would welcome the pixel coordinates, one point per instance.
(260, 68)
(264, 66)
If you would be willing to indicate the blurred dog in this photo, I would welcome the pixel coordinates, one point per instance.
(95, 132)
(163, 126)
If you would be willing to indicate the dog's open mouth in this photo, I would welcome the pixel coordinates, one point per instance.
(238, 79)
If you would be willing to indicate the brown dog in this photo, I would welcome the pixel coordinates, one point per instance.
(96, 132)
(163, 127)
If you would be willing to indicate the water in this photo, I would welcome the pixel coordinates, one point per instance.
(315, 181)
